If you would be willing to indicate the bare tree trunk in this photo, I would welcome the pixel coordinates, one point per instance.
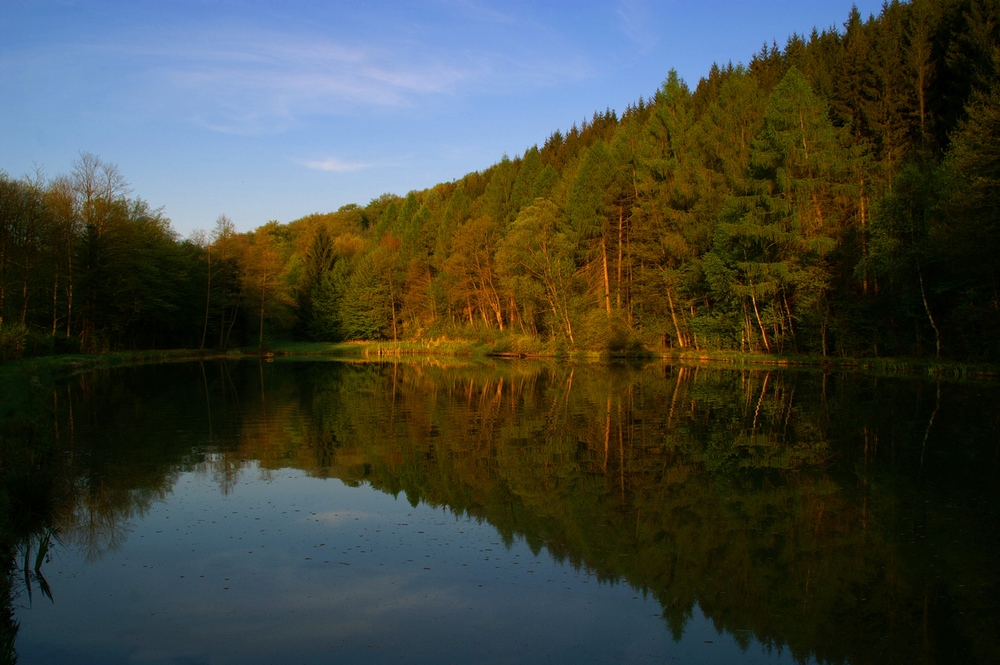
(392, 303)
(864, 236)
(223, 337)
(930, 317)
(620, 225)
(24, 290)
(673, 316)
(208, 298)
(260, 336)
(55, 300)
(260, 330)
(607, 283)
(69, 289)
(756, 311)
(3, 279)
(788, 312)
(232, 322)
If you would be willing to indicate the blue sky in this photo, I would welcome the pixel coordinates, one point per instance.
(268, 110)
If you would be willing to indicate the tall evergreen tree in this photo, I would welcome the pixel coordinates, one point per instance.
(776, 237)
(969, 228)
(669, 225)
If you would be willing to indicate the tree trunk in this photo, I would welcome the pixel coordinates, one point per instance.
(223, 336)
(607, 281)
(763, 333)
(930, 317)
(69, 307)
(24, 290)
(55, 299)
(229, 330)
(673, 316)
(864, 237)
(208, 298)
(619, 285)
(392, 304)
(263, 295)
(791, 326)
(3, 279)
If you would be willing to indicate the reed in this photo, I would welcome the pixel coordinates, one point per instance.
(40, 544)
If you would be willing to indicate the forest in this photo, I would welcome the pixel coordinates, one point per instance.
(837, 196)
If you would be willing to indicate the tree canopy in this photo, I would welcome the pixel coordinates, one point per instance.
(837, 196)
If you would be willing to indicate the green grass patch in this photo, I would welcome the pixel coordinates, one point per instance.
(15, 375)
(40, 369)
(523, 346)
(381, 349)
(882, 366)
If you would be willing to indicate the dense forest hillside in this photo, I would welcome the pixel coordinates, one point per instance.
(838, 196)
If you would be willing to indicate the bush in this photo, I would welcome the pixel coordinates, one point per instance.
(18, 341)
(12, 341)
(604, 334)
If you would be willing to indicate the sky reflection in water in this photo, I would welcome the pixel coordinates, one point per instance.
(291, 568)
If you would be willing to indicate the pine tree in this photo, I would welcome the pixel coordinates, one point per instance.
(969, 229)
(775, 237)
(671, 185)
(598, 208)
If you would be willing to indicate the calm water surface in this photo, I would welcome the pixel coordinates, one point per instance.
(514, 512)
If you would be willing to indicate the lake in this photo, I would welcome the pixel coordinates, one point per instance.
(435, 511)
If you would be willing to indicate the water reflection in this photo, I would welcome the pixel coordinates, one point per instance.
(835, 518)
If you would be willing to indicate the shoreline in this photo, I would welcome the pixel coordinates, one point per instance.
(375, 351)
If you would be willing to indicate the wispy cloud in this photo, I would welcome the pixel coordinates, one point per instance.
(336, 165)
(478, 11)
(235, 76)
(637, 23)
(258, 80)
(344, 516)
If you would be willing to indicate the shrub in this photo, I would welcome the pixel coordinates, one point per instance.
(12, 341)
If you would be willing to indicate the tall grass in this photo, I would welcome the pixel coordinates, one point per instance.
(441, 346)
(39, 544)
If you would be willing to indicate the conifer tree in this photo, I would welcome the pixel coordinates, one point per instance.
(671, 185)
(776, 236)
(598, 205)
(968, 231)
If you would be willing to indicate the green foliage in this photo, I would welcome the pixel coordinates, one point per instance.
(327, 323)
(968, 233)
(535, 261)
(832, 197)
(902, 256)
(366, 309)
(774, 239)
(19, 341)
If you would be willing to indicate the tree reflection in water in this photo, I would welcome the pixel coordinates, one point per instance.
(843, 517)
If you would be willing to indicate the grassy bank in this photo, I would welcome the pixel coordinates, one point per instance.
(885, 366)
(63, 365)
(512, 347)
(504, 347)
(379, 349)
